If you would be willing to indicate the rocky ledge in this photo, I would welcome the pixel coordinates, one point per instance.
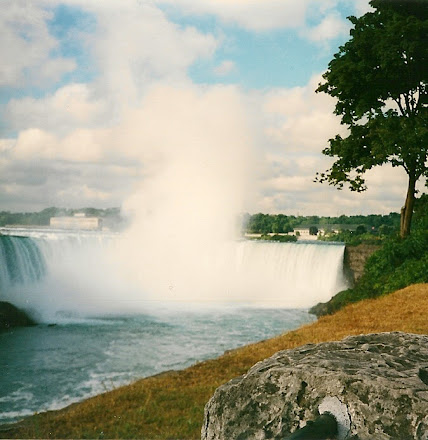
(11, 316)
(379, 382)
(355, 259)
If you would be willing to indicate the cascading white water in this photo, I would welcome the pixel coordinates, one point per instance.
(21, 262)
(294, 274)
(74, 275)
(87, 274)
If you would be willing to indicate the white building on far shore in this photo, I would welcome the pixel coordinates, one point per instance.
(304, 233)
(78, 221)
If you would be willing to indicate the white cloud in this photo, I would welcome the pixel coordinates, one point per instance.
(26, 46)
(254, 15)
(266, 15)
(35, 143)
(69, 107)
(300, 119)
(330, 27)
(361, 7)
(79, 192)
(295, 184)
(92, 131)
(193, 146)
(328, 16)
(82, 145)
(225, 67)
(297, 125)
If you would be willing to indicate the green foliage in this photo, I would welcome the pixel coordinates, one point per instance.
(379, 78)
(265, 223)
(281, 238)
(361, 229)
(352, 238)
(268, 223)
(421, 212)
(313, 230)
(361, 234)
(276, 237)
(397, 264)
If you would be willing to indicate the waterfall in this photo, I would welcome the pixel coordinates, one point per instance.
(303, 273)
(21, 262)
(50, 273)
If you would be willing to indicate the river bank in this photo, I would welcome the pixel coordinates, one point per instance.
(170, 405)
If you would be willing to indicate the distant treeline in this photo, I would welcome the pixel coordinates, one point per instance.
(280, 223)
(111, 216)
(256, 223)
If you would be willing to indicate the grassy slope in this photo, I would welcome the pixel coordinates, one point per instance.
(171, 405)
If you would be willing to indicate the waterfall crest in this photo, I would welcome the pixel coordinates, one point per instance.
(88, 274)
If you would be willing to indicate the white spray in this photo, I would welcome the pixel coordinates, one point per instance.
(182, 246)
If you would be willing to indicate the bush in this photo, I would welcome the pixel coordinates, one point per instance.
(281, 238)
(398, 264)
(351, 238)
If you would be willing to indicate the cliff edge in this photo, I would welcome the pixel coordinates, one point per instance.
(355, 259)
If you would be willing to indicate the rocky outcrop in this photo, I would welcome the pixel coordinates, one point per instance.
(355, 259)
(11, 316)
(379, 382)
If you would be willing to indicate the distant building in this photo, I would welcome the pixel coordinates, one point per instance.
(336, 228)
(78, 221)
(303, 233)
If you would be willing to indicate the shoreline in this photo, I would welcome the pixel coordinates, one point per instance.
(170, 404)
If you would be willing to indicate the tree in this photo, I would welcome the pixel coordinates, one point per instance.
(361, 229)
(379, 78)
(313, 230)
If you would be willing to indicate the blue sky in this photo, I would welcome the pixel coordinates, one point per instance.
(103, 101)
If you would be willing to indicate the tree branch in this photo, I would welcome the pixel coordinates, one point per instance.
(406, 99)
(419, 100)
(398, 102)
(413, 101)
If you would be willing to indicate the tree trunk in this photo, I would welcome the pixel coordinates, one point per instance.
(407, 209)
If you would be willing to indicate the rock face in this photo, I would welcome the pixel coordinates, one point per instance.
(380, 379)
(355, 259)
(11, 316)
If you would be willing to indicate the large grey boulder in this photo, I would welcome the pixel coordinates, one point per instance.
(379, 382)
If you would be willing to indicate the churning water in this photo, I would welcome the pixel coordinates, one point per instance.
(103, 325)
(50, 367)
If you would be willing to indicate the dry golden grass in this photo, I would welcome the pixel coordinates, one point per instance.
(170, 406)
